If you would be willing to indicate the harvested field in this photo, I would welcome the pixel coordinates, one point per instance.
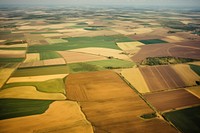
(11, 108)
(105, 94)
(171, 100)
(161, 78)
(125, 46)
(35, 78)
(5, 73)
(52, 41)
(136, 79)
(14, 46)
(186, 120)
(12, 53)
(173, 39)
(187, 75)
(49, 62)
(62, 116)
(103, 52)
(135, 31)
(41, 71)
(32, 57)
(197, 63)
(29, 92)
(50, 86)
(130, 47)
(35, 39)
(195, 90)
(159, 50)
(52, 35)
(73, 57)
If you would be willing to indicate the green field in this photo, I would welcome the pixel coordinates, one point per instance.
(82, 67)
(195, 68)
(50, 86)
(186, 120)
(11, 59)
(11, 108)
(100, 65)
(152, 41)
(82, 42)
(49, 55)
(62, 69)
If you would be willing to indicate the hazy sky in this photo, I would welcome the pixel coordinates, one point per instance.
(185, 3)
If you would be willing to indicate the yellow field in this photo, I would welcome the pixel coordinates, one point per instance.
(129, 45)
(195, 63)
(135, 78)
(61, 117)
(173, 39)
(32, 57)
(12, 53)
(195, 90)
(186, 74)
(29, 92)
(103, 52)
(5, 74)
(14, 45)
(52, 35)
(35, 78)
(2, 40)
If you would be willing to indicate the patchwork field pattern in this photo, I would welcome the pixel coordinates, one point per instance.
(106, 94)
(73, 57)
(29, 92)
(68, 119)
(136, 79)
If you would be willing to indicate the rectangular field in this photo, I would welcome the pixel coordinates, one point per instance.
(152, 41)
(63, 69)
(170, 100)
(186, 120)
(109, 103)
(161, 78)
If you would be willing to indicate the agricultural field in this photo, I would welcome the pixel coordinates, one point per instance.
(97, 102)
(99, 69)
(186, 120)
(162, 78)
(172, 100)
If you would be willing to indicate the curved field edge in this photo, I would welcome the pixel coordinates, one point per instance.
(49, 86)
(100, 65)
(29, 92)
(11, 108)
(62, 69)
(74, 43)
(61, 116)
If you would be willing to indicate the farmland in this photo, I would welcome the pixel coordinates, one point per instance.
(126, 105)
(171, 100)
(186, 120)
(99, 69)
(161, 77)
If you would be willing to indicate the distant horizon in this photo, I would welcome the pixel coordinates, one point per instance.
(105, 3)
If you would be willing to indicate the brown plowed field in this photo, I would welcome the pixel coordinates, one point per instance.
(73, 57)
(111, 105)
(163, 101)
(161, 78)
(184, 50)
